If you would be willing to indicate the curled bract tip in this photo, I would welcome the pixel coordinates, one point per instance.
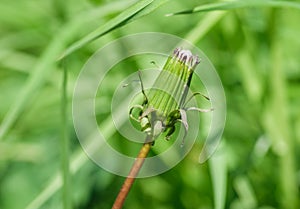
(185, 56)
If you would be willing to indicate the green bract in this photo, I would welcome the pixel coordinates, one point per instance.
(164, 105)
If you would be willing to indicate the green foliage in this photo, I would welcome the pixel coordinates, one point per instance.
(255, 48)
(239, 5)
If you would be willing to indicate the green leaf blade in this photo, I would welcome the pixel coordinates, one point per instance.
(238, 5)
(109, 26)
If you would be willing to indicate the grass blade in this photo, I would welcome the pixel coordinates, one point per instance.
(238, 5)
(109, 26)
(245, 191)
(204, 26)
(45, 64)
(147, 10)
(77, 160)
(65, 159)
(276, 121)
(218, 171)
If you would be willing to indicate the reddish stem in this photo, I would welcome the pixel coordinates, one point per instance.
(118, 204)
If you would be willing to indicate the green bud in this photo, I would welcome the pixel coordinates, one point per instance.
(163, 106)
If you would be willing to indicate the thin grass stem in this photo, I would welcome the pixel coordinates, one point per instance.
(65, 142)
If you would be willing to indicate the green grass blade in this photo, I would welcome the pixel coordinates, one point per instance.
(65, 141)
(204, 26)
(239, 5)
(38, 76)
(109, 26)
(15, 60)
(277, 125)
(46, 63)
(218, 171)
(77, 160)
(147, 10)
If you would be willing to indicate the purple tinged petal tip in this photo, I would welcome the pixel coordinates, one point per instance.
(186, 57)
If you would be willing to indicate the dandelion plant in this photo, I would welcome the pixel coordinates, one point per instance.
(163, 106)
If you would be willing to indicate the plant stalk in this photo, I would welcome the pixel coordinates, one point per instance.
(65, 164)
(118, 204)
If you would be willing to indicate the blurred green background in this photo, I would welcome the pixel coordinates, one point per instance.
(255, 50)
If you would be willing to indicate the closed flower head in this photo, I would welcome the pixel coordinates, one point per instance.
(164, 104)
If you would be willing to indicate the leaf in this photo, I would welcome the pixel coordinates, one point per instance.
(150, 8)
(46, 64)
(218, 171)
(77, 160)
(238, 5)
(109, 26)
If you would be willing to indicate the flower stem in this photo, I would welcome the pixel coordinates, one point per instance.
(132, 174)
